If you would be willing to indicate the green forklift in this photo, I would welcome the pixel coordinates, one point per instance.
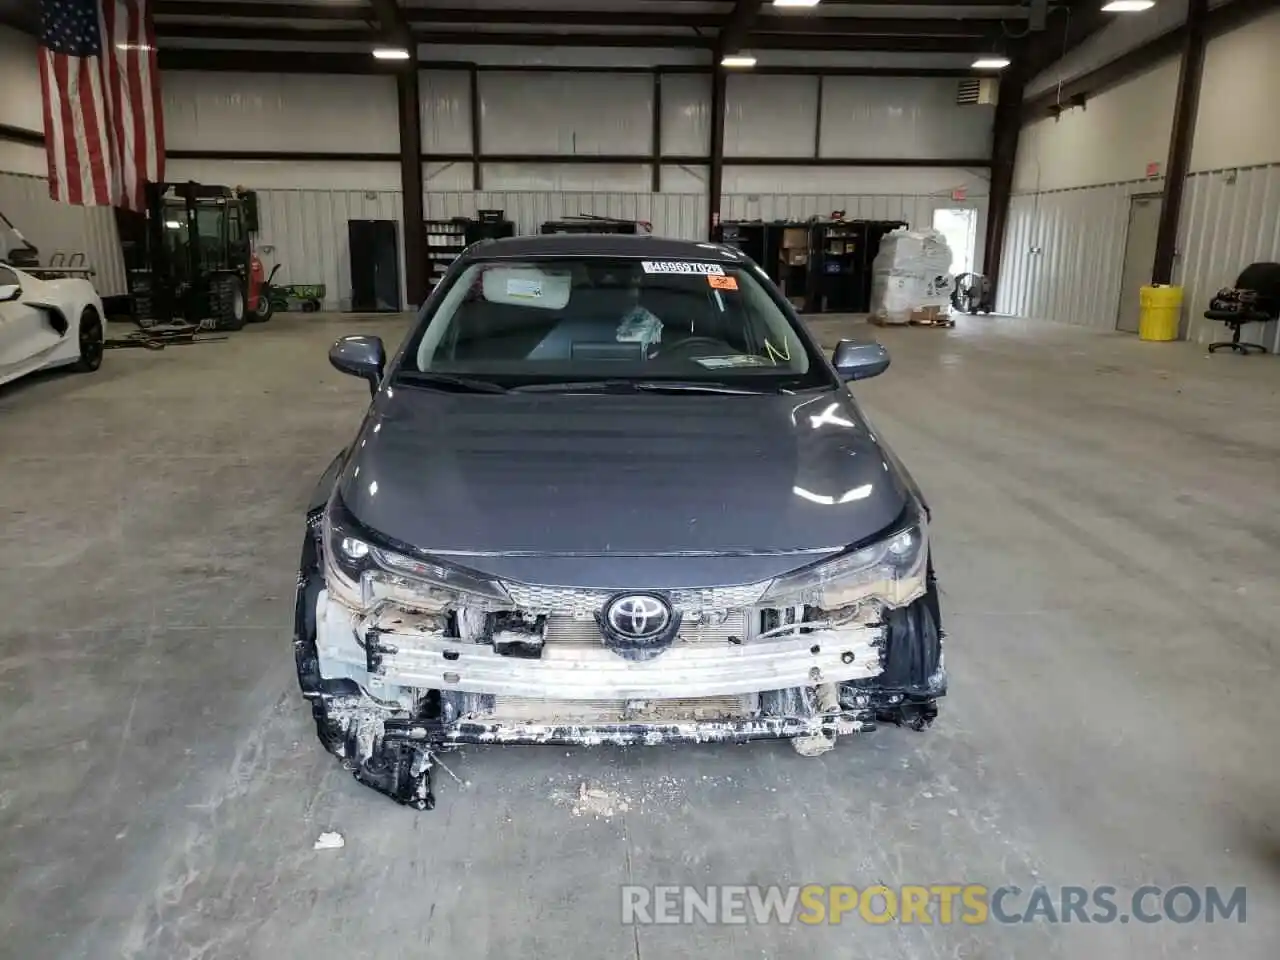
(189, 257)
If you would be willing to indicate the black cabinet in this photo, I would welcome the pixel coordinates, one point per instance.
(375, 265)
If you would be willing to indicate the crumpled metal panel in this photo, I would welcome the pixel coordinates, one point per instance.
(60, 228)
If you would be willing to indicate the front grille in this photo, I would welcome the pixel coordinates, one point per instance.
(562, 629)
(531, 710)
(581, 603)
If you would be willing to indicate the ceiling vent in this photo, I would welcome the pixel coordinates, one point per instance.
(981, 90)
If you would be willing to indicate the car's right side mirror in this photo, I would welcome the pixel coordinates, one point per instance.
(362, 357)
(860, 359)
(9, 292)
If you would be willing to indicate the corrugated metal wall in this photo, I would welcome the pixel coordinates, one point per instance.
(282, 111)
(1064, 253)
(1230, 218)
(306, 231)
(61, 228)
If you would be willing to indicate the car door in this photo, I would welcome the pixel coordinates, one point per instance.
(25, 333)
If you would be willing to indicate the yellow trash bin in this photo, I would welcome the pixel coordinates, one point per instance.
(1160, 313)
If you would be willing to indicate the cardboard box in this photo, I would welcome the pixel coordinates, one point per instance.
(795, 238)
(794, 258)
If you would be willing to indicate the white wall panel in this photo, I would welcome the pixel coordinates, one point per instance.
(681, 178)
(22, 158)
(631, 177)
(1230, 219)
(1235, 125)
(769, 116)
(683, 216)
(20, 97)
(1111, 140)
(444, 99)
(686, 114)
(266, 111)
(901, 117)
(289, 175)
(447, 175)
(1122, 34)
(61, 228)
(855, 181)
(307, 233)
(1080, 238)
(566, 113)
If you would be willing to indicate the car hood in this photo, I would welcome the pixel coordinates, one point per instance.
(558, 488)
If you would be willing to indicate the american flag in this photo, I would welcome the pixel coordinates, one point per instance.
(104, 129)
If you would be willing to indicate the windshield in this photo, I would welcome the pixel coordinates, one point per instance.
(577, 319)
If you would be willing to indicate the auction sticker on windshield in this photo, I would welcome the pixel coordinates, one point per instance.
(681, 266)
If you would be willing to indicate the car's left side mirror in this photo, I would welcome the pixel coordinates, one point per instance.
(860, 359)
(363, 357)
(9, 292)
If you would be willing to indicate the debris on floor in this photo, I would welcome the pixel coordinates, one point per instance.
(598, 802)
(329, 841)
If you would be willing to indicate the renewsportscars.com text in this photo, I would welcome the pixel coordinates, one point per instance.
(940, 903)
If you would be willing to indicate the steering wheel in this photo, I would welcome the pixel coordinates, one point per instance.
(681, 345)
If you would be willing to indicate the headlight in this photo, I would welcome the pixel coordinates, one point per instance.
(892, 570)
(360, 574)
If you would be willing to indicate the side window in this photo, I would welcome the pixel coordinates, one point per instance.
(234, 233)
(8, 277)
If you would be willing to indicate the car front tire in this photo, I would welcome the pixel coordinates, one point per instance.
(92, 341)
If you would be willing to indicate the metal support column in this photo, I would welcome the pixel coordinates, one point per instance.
(1184, 123)
(415, 233)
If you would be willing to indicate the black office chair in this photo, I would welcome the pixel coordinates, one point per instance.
(1254, 299)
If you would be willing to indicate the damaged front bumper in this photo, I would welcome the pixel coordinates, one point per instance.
(397, 648)
(390, 688)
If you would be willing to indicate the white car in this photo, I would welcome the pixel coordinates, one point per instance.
(48, 323)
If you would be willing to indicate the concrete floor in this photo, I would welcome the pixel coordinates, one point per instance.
(1107, 534)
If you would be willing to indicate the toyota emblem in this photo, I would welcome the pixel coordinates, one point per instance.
(639, 616)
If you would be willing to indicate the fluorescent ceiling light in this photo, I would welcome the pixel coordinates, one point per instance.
(391, 53)
(990, 63)
(738, 60)
(796, 3)
(1128, 6)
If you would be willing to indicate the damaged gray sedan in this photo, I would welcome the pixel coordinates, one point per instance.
(609, 491)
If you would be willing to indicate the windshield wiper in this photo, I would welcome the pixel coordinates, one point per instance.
(643, 386)
(426, 378)
(704, 386)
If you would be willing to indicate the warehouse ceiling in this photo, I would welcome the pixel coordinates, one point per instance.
(929, 32)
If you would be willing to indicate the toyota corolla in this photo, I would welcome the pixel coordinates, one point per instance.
(610, 491)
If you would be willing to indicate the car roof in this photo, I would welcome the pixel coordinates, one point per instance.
(601, 245)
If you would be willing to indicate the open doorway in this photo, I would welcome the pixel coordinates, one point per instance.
(960, 226)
